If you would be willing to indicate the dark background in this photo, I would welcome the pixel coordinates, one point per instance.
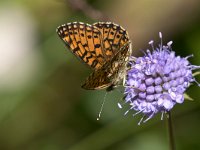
(42, 106)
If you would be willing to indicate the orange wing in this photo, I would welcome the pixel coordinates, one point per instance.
(85, 41)
(114, 37)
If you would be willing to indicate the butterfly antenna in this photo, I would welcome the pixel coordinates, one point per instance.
(102, 104)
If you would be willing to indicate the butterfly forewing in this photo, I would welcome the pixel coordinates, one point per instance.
(104, 46)
(84, 41)
(114, 37)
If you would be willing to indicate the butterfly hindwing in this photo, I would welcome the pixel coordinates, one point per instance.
(97, 80)
(112, 72)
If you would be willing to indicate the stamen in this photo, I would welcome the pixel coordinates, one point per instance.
(169, 43)
(160, 35)
(189, 56)
(161, 43)
(198, 84)
(194, 67)
(149, 55)
(138, 112)
(151, 43)
(149, 117)
(141, 120)
(119, 105)
(127, 111)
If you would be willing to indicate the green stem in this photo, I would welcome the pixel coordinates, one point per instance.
(170, 132)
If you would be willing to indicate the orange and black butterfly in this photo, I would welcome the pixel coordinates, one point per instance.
(104, 46)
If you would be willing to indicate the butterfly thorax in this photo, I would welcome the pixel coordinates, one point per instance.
(117, 67)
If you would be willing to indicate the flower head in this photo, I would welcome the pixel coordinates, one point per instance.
(157, 81)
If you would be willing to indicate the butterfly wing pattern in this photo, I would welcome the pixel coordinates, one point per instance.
(84, 41)
(104, 46)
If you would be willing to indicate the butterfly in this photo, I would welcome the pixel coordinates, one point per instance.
(104, 46)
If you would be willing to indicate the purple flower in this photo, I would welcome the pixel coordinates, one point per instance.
(157, 81)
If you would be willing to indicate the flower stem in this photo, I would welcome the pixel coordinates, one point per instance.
(170, 131)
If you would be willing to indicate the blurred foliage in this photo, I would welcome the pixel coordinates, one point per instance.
(42, 105)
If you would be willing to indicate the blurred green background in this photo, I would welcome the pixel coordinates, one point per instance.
(42, 106)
